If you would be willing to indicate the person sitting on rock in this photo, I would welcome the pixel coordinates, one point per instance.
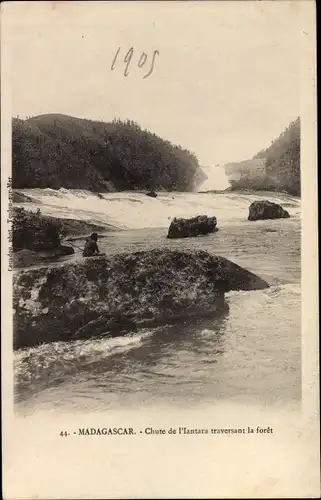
(91, 247)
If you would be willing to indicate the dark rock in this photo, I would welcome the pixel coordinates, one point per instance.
(152, 194)
(35, 239)
(264, 209)
(27, 258)
(185, 228)
(111, 295)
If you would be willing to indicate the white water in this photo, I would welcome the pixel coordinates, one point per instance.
(251, 355)
(216, 178)
(135, 210)
(196, 362)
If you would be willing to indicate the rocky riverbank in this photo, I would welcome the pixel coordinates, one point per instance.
(39, 238)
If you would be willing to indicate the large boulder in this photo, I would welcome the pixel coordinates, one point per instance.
(264, 209)
(185, 228)
(111, 295)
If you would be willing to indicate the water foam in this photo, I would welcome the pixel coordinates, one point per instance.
(135, 210)
(45, 357)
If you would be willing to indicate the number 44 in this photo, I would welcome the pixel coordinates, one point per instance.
(63, 434)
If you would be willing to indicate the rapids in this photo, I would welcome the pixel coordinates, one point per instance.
(251, 355)
(135, 210)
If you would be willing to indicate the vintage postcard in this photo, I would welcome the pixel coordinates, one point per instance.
(159, 250)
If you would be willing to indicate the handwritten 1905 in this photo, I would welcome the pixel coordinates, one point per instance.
(143, 60)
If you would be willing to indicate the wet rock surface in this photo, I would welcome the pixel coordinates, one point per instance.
(111, 295)
(265, 209)
(196, 226)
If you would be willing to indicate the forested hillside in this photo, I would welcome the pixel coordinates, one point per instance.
(62, 151)
(280, 161)
(283, 159)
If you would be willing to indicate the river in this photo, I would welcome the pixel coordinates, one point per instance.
(251, 355)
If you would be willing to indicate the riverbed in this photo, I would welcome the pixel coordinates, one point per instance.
(251, 355)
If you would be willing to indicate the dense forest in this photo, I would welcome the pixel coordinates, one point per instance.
(283, 159)
(61, 151)
(282, 165)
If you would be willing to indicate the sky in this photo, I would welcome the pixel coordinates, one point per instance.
(225, 79)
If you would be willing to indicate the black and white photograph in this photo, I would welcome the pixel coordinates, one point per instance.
(155, 216)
